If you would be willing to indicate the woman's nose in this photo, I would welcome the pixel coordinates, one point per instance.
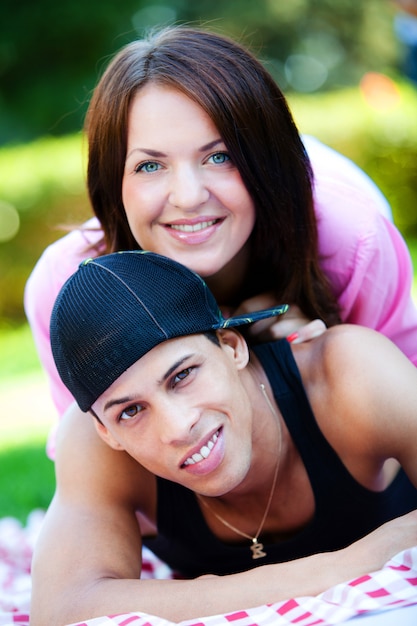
(188, 190)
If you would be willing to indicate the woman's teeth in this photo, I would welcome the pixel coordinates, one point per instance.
(192, 228)
(204, 451)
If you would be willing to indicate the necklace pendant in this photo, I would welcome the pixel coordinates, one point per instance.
(257, 549)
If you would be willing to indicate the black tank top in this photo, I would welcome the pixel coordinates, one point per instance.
(344, 509)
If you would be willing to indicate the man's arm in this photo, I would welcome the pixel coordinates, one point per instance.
(363, 391)
(87, 561)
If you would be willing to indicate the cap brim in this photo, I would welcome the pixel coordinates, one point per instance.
(256, 316)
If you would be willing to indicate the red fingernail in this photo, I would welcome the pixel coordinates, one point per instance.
(292, 337)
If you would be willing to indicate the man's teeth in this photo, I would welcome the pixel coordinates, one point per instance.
(192, 228)
(203, 452)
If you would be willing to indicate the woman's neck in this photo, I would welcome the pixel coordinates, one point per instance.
(228, 284)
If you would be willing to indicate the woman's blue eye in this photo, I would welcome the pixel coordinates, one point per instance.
(220, 157)
(130, 412)
(148, 167)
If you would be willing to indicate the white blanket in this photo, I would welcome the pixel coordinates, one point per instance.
(392, 587)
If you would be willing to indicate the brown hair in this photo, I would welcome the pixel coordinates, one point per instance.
(253, 118)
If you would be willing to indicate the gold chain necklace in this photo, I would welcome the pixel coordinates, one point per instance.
(257, 547)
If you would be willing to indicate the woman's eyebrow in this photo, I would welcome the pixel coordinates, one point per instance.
(152, 153)
(158, 154)
(211, 144)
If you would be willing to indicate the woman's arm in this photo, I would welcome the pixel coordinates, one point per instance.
(57, 263)
(364, 256)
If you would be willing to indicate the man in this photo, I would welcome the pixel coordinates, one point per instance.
(223, 460)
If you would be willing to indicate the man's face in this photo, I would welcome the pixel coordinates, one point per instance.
(183, 413)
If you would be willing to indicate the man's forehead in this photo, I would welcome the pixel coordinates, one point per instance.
(168, 352)
(161, 361)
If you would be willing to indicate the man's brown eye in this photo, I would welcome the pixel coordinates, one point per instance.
(182, 375)
(130, 412)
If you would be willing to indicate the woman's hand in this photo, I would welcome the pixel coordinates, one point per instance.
(294, 325)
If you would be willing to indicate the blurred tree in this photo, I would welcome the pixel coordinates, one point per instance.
(52, 52)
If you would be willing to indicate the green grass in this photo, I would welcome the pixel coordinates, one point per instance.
(18, 354)
(67, 173)
(26, 474)
(27, 480)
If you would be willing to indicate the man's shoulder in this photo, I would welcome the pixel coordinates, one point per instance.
(345, 350)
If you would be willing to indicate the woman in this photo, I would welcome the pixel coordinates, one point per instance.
(307, 226)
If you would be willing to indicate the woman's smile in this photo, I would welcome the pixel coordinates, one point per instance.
(196, 231)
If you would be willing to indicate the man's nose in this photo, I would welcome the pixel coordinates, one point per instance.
(176, 422)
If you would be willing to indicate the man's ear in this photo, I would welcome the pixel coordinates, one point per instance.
(105, 435)
(239, 348)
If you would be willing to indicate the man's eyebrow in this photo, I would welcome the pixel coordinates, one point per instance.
(125, 399)
(115, 401)
(173, 367)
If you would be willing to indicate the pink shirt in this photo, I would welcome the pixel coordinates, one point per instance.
(362, 252)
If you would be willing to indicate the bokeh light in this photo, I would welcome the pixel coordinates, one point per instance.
(379, 91)
(9, 221)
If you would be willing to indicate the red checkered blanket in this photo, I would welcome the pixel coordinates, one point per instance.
(392, 587)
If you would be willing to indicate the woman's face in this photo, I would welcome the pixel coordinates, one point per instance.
(184, 197)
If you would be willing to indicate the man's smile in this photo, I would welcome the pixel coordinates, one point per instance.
(204, 451)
